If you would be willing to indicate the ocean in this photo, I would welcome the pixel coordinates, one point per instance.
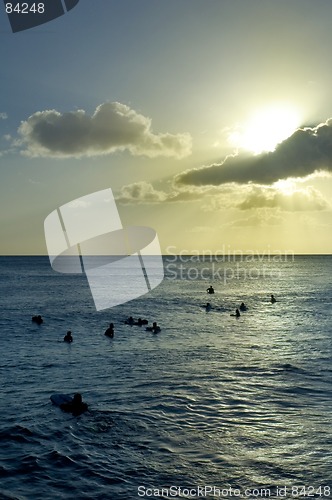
(213, 406)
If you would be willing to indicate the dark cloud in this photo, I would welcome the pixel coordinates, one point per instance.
(307, 151)
(113, 126)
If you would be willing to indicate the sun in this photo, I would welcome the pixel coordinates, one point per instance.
(266, 128)
(285, 186)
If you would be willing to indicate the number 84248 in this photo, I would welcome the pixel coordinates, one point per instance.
(24, 8)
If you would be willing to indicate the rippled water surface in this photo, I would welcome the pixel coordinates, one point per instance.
(210, 401)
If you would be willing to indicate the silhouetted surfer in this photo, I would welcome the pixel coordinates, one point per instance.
(154, 328)
(210, 289)
(76, 406)
(37, 319)
(68, 337)
(237, 314)
(110, 331)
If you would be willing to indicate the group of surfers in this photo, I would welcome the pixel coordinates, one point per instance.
(141, 322)
(110, 330)
(76, 406)
(241, 308)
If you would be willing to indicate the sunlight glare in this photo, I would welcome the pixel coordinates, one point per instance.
(266, 128)
(285, 186)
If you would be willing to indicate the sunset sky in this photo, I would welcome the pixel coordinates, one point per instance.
(211, 120)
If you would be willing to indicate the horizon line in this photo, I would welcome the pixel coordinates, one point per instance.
(235, 253)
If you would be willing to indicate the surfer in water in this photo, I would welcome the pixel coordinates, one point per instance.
(243, 307)
(110, 331)
(76, 406)
(210, 289)
(37, 319)
(141, 322)
(68, 337)
(273, 299)
(237, 314)
(154, 328)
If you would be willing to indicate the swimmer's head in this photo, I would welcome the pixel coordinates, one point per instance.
(77, 399)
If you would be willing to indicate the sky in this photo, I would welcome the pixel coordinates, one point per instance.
(210, 120)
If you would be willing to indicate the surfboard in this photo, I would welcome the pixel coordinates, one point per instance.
(59, 399)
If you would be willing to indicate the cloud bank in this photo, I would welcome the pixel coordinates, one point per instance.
(144, 193)
(307, 199)
(307, 151)
(244, 198)
(112, 127)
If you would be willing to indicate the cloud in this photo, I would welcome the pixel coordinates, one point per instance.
(3, 116)
(7, 139)
(257, 197)
(308, 199)
(260, 219)
(144, 192)
(140, 192)
(230, 196)
(112, 127)
(307, 151)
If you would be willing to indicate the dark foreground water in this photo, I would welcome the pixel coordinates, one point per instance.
(212, 407)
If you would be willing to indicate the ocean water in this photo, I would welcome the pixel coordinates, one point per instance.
(212, 407)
